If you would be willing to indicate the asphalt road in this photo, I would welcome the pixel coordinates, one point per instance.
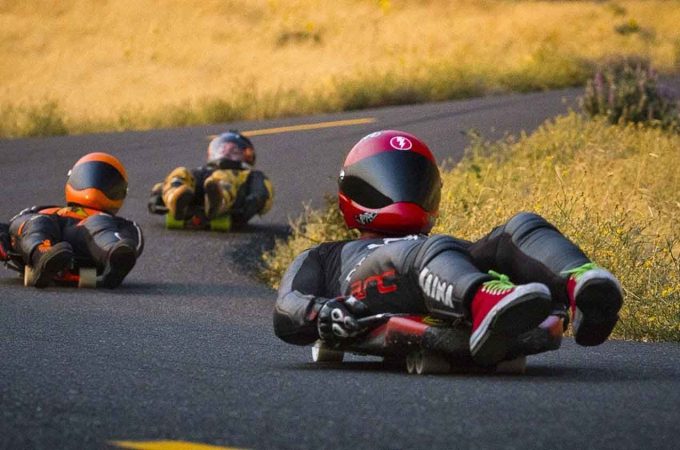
(184, 350)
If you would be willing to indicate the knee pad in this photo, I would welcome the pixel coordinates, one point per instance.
(104, 230)
(447, 275)
(34, 230)
(521, 225)
(179, 176)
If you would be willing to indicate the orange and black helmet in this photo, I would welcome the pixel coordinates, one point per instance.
(97, 181)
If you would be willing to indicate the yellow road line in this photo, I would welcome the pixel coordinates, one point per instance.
(307, 126)
(167, 445)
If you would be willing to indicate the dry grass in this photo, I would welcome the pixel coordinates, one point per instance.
(611, 189)
(146, 63)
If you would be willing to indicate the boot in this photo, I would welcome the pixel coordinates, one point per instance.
(595, 298)
(221, 190)
(178, 193)
(48, 260)
(177, 200)
(502, 311)
(215, 204)
(119, 262)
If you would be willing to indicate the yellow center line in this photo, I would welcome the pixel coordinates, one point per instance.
(307, 126)
(167, 445)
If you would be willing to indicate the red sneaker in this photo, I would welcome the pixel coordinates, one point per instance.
(502, 311)
(595, 297)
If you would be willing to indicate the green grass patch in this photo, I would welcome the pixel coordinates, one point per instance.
(611, 189)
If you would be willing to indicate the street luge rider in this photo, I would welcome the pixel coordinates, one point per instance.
(49, 238)
(389, 189)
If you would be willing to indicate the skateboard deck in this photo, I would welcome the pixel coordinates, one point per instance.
(423, 346)
(222, 223)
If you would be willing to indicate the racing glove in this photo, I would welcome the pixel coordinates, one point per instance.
(337, 319)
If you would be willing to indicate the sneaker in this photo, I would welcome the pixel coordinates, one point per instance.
(502, 311)
(178, 199)
(121, 260)
(48, 260)
(595, 298)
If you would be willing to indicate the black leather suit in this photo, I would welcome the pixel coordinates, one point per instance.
(435, 275)
(91, 233)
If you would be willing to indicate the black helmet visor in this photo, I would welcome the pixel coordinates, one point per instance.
(99, 175)
(390, 177)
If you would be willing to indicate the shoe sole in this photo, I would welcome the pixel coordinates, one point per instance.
(213, 197)
(121, 262)
(52, 266)
(598, 301)
(522, 310)
(182, 205)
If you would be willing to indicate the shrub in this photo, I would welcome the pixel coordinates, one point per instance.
(628, 90)
(631, 26)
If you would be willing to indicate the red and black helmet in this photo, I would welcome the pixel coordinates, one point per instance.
(390, 184)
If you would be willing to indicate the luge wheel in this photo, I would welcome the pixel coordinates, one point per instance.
(430, 363)
(28, 275)
(321, 354)
(221, 223)
(412, 361)
(172, 223)
(87, 277)
(513, 366)
(422, 363)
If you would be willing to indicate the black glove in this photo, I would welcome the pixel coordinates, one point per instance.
(337, 319)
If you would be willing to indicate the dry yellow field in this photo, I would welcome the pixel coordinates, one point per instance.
(111, 64)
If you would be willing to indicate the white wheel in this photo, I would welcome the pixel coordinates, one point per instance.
(87, 277)
(513, 366)
(426, 363)
(28, 276)
(411, 362)
(321, 354)
(429, 363)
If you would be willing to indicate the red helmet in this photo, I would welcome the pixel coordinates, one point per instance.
(98, 181)
(390, 184)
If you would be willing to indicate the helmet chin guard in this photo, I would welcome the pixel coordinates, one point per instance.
(390, 184)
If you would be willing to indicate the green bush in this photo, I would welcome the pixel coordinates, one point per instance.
(628, 90)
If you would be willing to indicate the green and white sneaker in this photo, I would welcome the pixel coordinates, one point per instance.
(595, 298)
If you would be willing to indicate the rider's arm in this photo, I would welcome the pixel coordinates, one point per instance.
(300, 298)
